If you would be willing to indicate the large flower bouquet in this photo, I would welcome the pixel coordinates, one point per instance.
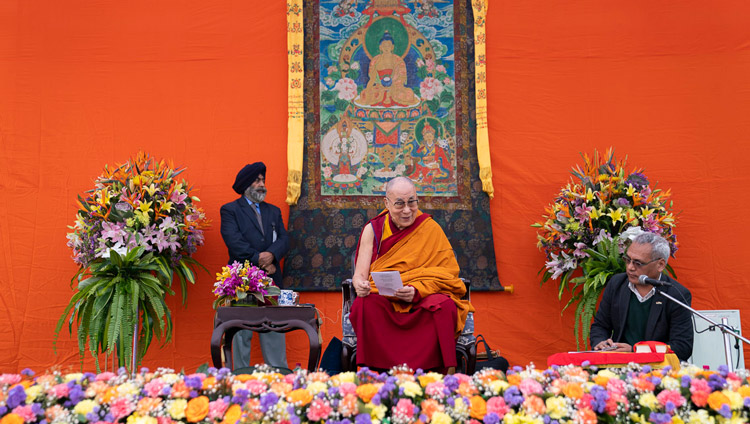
(135, 230)
(245, 284)
(582, 229)
(557, 395)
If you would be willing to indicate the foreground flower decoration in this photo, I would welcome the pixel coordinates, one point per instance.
(137, 228)
(583, 229)
(569, 394)
(244, 283)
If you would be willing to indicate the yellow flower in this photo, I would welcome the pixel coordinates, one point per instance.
(646, 211)
(556, 407)
(145, 206)
(735, 399)
(700, 417)
(176, 408)
(595, 213)
(589, 195)
(367, 391)
(233, 414)
(151, 189)
(299, 397)
(85, 406)
(616, 215)
(35, 390)
(316, 387)
(344, 377)
(428, 378)
(378, 412)
(127, 389)
(166, 206)
(648, 400)
(142, 217)
(411, 389)
(73, 377)
(441, 418)
(141, 419)
(498, 386)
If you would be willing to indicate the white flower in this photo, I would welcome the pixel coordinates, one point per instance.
(631, 233)
(429, 88)
(355, 65)
(119, 248)
(347, 88)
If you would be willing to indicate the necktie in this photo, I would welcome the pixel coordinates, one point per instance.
(257, 215)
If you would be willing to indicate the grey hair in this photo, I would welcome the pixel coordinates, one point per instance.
(397, 180)
(659, 246)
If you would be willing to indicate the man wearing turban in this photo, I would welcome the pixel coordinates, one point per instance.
(254, 231)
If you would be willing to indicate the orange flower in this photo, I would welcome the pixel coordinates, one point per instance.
(514, 379)
(744, 391)
(534, 405)
(601, 380)
(234, 412)
(197, 409)
(147, 404)
(281, 388)
(180, 390)
(244, 377)
(717, 399)
(209, 382)
(573, 390)
(107, 396)
(426, 379)
(478, 407)
(467, 389)
(317, 376)
(586, 416)
(348, 406)
(430, 406)
(11, 419)
(300, 397)
(367, 391)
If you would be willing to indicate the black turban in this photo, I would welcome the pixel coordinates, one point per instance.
(248, 175)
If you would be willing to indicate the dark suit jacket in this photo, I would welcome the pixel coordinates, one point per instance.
(667, 322)
(242, 235)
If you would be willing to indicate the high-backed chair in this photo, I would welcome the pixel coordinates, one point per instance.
(466, 350)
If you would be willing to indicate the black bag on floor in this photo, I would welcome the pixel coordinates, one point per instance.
(489, 358)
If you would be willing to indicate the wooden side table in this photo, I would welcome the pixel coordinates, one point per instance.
(231, 319)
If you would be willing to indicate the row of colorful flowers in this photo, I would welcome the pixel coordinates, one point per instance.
(569, 394)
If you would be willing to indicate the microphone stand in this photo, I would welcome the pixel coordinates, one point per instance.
(723, 327)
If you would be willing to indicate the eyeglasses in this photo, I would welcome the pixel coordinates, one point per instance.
(636, 263)
(399, 204)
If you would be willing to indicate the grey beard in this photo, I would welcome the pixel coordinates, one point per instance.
(255, 195)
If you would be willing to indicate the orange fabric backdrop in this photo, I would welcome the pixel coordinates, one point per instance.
(88, 83)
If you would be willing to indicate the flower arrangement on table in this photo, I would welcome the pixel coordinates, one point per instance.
(569, 394)
(583, 229)
(134, 231)
(245, 284)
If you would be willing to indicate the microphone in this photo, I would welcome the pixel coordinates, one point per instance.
(643, 279)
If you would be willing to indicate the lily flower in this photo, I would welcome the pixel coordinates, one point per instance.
(616, 215)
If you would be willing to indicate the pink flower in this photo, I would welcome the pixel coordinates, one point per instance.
(347, 88)
(699, 391)
(319, 409)
(673, 396)
(178, 198)
(60, 390)
(440, 68)
(121, 407)
(404, 408)
(420, 62)
(430, 63)
(164, 420)
(435, 390)
(497, 405)
(348, 388)
(10, 379)
(216, 409)
(256, 387)
(332, 69)
(154, 387)
(530, 386)
(429, 88)
(25, 412)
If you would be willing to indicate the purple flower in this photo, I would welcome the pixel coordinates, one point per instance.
(451, 382)
(658, 418)
(685, 381)
(241, 396)
(513, 396)
(27, 372)
(637, 179)
(716, 382)
(16, 396)
(725, 411)
(490, 418)
(723, 370)
(599, 401)
(268, 400)
(362, 419)
(622, 202)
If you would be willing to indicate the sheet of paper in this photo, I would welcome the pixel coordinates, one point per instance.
(387, 282)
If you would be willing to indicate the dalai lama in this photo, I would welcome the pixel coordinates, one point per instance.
(419, 324)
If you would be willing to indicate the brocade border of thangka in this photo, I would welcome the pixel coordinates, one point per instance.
(324, 229)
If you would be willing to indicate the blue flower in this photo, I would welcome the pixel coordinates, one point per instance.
(16, 396)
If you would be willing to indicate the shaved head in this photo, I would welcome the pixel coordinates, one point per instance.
(399, 182)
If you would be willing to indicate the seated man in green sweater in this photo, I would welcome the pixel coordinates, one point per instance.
(631, 312)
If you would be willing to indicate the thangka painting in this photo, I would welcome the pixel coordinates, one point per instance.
(388, 92)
